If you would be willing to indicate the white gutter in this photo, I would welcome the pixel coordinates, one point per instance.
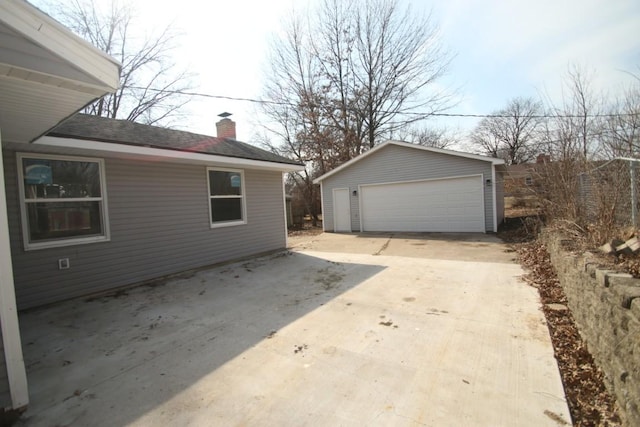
(136, 151)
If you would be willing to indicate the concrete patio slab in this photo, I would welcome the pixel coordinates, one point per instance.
(304, 337)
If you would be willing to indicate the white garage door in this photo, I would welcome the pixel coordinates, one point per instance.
(444, 205)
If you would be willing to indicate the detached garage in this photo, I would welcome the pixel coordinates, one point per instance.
(398, 186)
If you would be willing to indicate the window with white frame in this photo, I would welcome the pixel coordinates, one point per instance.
(63, 200)
(226, 197)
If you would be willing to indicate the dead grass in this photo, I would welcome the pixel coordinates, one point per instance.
(307, 229)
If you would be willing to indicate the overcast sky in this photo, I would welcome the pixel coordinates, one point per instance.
(503, 49)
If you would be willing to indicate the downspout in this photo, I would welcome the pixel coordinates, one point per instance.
(495, 198)
(634, 199)
(322, 204)
(14, 360)
(284, 211)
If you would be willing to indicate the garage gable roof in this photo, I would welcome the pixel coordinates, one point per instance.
(491, 160)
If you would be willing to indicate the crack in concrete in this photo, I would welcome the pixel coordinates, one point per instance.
(385, 246)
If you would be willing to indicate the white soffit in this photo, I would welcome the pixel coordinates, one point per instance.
(47, 73)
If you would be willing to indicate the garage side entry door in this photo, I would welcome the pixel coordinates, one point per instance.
(341, 210)
(442, 205)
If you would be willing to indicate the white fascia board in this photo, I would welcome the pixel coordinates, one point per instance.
(53, 36)
(133, 151)
(492, 160)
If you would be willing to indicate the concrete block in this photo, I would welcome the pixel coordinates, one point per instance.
(626, 294)
(621, 279)
(607, 249)
(635, 308)
(633, 244)
(611, 248)
(601, 276)
(623, 249)
(591, 268)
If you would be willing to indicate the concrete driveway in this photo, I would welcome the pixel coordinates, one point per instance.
(341, 330)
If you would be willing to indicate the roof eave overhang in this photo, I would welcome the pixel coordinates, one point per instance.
(49, 34)
(47, 73)
(108, 149)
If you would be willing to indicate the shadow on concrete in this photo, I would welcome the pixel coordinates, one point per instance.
(110, 360)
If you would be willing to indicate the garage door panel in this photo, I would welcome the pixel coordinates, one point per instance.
(439, 205)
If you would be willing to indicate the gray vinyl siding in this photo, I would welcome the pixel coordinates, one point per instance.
(5, 392)
(159, 221)
(396, 164)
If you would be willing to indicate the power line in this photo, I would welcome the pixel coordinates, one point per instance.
(423, 114)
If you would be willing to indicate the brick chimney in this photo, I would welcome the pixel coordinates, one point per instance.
(226, 128)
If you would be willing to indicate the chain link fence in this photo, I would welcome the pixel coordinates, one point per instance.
(609, 193)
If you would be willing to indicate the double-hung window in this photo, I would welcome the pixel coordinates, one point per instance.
(63, 200)
(226, 197)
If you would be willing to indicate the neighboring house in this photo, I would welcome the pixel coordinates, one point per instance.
(398, 186)
(522, 180)
(519, 179)
(99, 203)
(46, 74)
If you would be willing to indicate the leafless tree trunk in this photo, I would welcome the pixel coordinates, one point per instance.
(574, 128)
(572, 137)
(372, 67)
(398, 59)
(150, 82)
(345, 74)
(511, 133)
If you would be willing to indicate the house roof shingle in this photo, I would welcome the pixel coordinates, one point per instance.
(95, 128)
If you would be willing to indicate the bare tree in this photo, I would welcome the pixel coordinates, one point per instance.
(511, 133)
(621, 133)
(344, 75)
(437, 137)
(574, 127)
(297, 121)
(572, 136)
(150, 81)
(398, 59)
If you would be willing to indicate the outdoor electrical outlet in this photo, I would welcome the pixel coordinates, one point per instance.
(63, 263)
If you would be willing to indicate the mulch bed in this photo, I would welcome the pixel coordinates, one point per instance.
(305, 230)
(589, 401)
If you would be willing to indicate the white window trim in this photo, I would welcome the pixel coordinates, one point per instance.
(71, 241)
(242, 197)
